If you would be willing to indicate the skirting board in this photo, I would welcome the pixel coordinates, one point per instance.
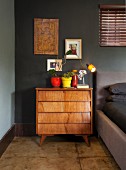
(6, 140)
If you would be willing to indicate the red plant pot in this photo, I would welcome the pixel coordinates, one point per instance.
(74, 81)
(56, 81)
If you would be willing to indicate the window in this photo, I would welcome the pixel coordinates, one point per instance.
(112, 20)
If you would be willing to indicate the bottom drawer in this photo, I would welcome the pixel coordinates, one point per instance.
(64, 129)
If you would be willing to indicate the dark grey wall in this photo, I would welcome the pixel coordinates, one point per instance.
(78, 19)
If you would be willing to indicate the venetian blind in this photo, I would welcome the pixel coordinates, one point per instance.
(112, 20)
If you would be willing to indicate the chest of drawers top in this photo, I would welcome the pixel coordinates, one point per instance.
(63, 89)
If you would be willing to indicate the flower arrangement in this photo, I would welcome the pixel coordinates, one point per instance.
(81, 74)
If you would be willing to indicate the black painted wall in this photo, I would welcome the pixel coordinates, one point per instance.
(78, 19)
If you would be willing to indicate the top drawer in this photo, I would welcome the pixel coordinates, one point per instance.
(50, 96)
(64, 95)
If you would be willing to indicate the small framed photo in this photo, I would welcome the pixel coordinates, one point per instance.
(54, 64)
(73, 48)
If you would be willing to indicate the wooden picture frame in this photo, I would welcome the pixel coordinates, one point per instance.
(46, 36)
(54, 64)
(73, 48)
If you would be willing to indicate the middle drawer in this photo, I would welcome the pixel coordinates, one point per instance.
(64, 106)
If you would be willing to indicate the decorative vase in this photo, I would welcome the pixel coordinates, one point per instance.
(56, 81)
(81, 80)
(66, 82)
(74, 80)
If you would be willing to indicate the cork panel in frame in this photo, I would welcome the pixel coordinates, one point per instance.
(46, 32)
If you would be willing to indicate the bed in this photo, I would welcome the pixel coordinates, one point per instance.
(111, 133)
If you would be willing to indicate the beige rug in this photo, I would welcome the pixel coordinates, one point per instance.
(57, 153)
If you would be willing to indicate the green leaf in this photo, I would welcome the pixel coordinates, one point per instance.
(69, 52)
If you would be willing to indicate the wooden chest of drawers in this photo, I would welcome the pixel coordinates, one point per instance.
(63, 111)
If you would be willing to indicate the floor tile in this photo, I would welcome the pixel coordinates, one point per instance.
(37, 163)
(98, 163)
(30, 147)
(97, 148)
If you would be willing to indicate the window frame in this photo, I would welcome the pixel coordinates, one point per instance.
(112, 25)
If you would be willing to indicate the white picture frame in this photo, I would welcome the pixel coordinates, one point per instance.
(55, 64)
(74, 46)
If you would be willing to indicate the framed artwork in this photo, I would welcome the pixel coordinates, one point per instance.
(54, 64)
(73, 48)
(46, 35)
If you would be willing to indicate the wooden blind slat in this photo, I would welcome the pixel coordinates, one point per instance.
(116, 7)
(113, 18)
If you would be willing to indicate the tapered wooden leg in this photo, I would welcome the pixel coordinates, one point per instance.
(85, 137)
(42, 139)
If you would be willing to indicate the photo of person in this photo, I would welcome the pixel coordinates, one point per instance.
(52, 64)
(73, 48)
(58, 66)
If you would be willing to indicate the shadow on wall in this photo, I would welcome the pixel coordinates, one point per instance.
(48, 82)
(13, 108)
(25, 111)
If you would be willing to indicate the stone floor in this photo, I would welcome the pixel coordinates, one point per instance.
(57, 153)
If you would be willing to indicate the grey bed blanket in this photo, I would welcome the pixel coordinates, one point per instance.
(116, 111)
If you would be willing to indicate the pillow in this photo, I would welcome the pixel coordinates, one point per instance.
(116, 98)
(118, 88)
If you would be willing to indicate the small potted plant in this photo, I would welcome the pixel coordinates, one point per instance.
(66, 79)
(55, 79)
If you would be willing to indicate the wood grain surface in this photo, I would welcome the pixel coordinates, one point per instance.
(64, 111)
